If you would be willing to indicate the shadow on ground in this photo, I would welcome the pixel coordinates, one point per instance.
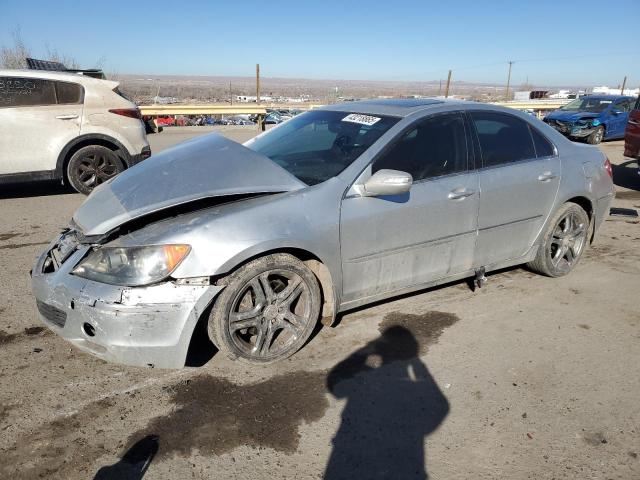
(393, 403)
(35, 189)
(133, 464)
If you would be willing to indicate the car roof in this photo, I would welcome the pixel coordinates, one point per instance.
(62, 76)
(397, 107)
(607, 97)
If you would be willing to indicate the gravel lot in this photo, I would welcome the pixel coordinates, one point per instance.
(528, 377)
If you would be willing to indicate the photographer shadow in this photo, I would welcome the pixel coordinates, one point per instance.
(393, 403)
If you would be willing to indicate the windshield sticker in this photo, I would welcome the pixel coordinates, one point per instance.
(361, 119)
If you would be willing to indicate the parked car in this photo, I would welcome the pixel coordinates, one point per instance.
(165, 121)
(593, 117)
(273, 118)
(68, 127)
(632, 134)
(337, 208)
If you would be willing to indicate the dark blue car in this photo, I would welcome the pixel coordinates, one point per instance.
(593, 117)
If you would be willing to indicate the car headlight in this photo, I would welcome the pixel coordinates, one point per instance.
(596, 122)
(131, 266)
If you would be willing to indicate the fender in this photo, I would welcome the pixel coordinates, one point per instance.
(123, 153)
(328, 276)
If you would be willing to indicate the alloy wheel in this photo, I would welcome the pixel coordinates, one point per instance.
(97, 168)
(270, 314)
(567, 241)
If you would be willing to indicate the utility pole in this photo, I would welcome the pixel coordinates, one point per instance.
(230, 94)
(508, 80)
(260, 117)
(257, 83)
(446, 89)
(624, 84)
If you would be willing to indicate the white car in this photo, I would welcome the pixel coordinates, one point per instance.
(66, 126)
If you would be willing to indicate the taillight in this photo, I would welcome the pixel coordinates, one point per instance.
(127, 112)
(607, 167)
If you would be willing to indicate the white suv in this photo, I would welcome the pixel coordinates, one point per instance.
(68, 127)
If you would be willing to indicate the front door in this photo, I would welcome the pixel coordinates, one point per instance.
(390, 243)
(519, 180)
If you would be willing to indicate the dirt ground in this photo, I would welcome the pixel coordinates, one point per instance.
(526, 378)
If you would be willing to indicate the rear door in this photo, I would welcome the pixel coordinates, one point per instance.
(632, 133)
(519, 179)
(38, 117)
(618, 120)
(389, 243)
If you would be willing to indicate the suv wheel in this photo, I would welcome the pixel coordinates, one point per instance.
(90, 166)
(596, 136)
(267, 310)
(563, 242)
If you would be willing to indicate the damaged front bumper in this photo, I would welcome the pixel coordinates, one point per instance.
(576, 130)
(144, 326)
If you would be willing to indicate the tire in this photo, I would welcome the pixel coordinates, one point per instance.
(91, 166)
(563, 242)
(596, 136)
(267, 310)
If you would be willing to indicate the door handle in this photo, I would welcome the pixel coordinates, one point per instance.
(67, 117)
(546, 176)
(460, 194)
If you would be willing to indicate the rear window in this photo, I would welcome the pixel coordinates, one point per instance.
(32, 92)
(118, 92)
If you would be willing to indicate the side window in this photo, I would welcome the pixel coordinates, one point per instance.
(435, 146)
(25, 92)
(544, 148)
(623, 105)
(637, 107)
(69, 93)
(503, 138)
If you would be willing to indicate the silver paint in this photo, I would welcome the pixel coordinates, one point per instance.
(369, 247)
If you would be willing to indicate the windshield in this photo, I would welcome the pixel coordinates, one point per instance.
(318, 145)
(586, 104)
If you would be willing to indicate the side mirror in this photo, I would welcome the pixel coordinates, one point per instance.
(387, 182)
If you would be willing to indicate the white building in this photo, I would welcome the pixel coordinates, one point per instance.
(604, 90)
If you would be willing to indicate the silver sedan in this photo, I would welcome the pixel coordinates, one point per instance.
(333, 209)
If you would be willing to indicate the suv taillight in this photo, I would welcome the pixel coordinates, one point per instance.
(607, 167)
(127, 112)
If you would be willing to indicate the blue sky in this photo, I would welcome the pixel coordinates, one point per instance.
(553, 42)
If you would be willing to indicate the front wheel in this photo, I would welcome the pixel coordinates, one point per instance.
(596, 136)
(563, 242)
(267, 310)
(90, 166)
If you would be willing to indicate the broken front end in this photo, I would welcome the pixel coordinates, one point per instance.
(144, 325)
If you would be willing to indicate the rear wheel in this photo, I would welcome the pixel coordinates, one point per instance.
(596, 136)
(563, 242)
(91, 166)
(267, 310)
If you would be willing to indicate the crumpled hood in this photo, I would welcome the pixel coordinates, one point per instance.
(571, 116)
(207, 166)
